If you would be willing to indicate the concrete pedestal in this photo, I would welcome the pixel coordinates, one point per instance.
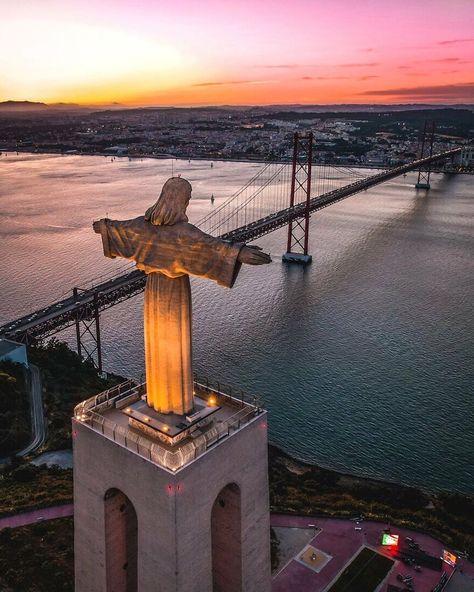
(300, 258)
(142, 527)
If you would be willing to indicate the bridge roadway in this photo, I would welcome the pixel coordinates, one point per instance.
(83, 306)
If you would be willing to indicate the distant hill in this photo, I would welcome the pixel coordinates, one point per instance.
(22, 106)
(36, 106)
(362, 107)
(39, 107)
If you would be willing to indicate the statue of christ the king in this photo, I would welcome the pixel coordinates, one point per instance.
(168, 249)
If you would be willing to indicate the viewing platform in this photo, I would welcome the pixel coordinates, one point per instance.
(168, 440)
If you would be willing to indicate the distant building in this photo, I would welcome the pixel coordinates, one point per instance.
(253, 125)
(467, 156)
(13, 351)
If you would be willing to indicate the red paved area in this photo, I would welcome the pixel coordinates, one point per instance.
(36, 516)
(340, 539)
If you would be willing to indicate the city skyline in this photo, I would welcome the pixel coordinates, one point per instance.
(255, 53)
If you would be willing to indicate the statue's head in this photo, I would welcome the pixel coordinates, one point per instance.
(172, 203)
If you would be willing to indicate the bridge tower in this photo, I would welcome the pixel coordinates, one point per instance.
(298, 230)
(88, 332)
(424, 172)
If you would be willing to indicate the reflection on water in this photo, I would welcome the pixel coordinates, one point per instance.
(362, 357)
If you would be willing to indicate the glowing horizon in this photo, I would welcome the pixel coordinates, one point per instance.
(251, 53)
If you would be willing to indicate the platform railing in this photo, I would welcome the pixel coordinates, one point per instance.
(229, 393)
(90, 412)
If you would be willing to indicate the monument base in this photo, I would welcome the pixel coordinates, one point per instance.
(170, 427)
(143, 507)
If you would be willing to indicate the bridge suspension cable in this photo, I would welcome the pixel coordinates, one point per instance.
(268, 191)
(203, 221)
(256, 201)
(233, 209)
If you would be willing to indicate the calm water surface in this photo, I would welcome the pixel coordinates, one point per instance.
(364, 358)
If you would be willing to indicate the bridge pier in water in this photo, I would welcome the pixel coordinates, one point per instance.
(298, 229)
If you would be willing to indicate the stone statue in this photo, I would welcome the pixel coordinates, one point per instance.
(169, 249)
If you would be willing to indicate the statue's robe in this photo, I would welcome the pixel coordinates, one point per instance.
(168, 255)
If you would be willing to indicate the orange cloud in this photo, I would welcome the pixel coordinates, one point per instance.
(223, 83)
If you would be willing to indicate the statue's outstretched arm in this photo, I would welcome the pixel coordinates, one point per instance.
(253, 256)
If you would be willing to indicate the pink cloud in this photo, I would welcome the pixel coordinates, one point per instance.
(280, 66)
(359, 65)
(463, 91)
(324, 78)
(455, 41)
(446, 60)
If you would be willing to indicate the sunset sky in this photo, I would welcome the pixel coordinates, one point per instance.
(188, 52)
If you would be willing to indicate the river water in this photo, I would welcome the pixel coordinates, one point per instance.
(364, 358)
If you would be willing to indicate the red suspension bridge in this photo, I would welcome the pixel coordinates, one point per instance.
(278, 195)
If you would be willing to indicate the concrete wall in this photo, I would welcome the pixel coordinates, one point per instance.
(173, 511)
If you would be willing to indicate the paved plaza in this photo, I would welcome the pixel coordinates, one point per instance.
(342, 540)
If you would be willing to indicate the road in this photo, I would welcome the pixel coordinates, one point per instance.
(36, 516)
(38, 422)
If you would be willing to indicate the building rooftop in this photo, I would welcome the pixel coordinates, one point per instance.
(170, 441)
